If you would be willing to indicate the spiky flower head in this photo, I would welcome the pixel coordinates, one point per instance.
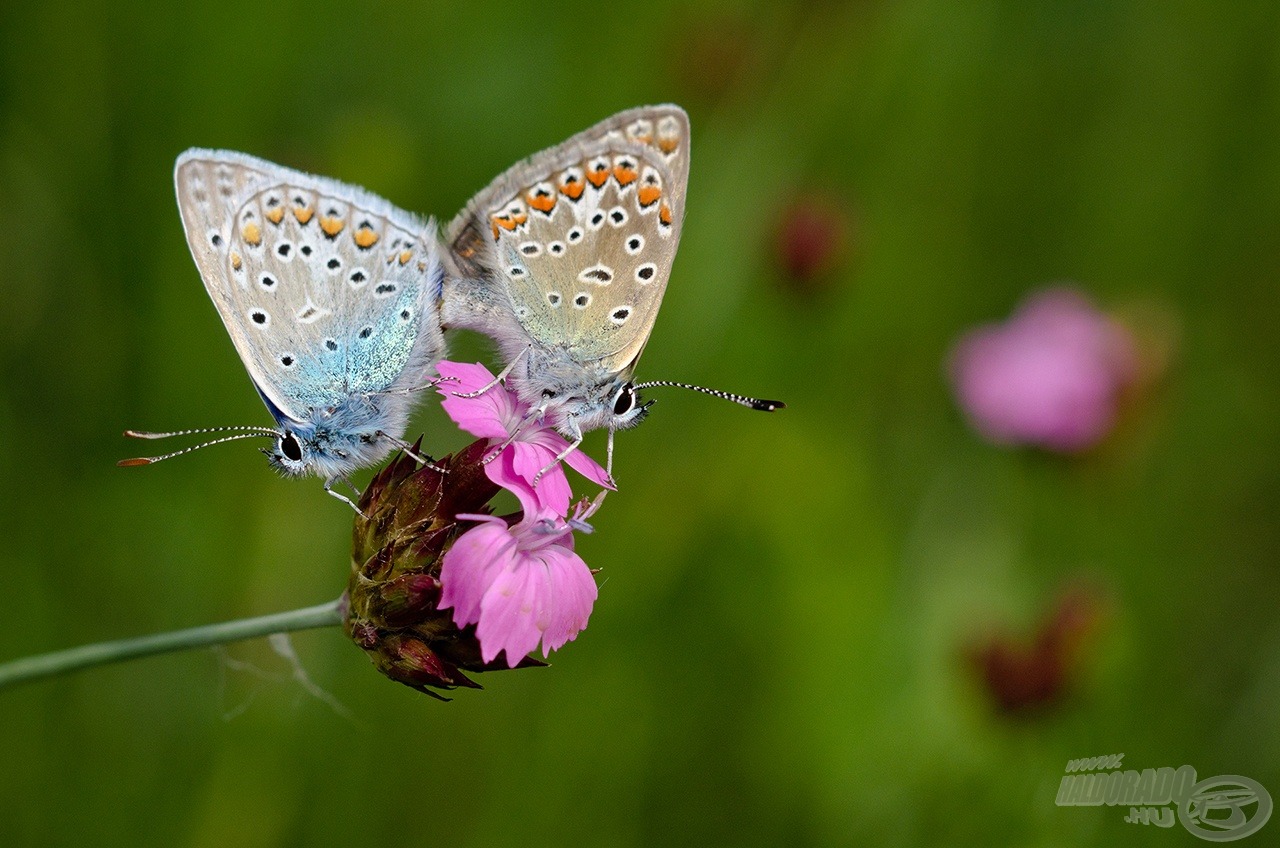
(407, 523)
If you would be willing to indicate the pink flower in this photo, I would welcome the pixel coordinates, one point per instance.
(521, 584)
(1050, 376)
(496, 414)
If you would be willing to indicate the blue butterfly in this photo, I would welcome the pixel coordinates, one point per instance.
(332, 299)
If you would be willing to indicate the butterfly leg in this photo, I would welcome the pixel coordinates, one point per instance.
(532, 415)
(575, 441)
(329, 490)
(608, 463)
(429, 383)
(408, 449)
(502, 375)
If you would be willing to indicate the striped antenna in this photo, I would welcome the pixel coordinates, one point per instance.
(743, 400)
(257, 432)
(142, 434)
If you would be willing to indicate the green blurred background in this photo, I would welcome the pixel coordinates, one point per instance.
(782, 649)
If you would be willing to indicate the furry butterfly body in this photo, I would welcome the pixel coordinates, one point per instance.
(331, 297)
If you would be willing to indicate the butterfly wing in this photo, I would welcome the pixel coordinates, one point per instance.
(576, 243)
(327, 291)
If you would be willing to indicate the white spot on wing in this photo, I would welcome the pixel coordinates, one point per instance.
(599, 273)
(310, 313)
(640, 129)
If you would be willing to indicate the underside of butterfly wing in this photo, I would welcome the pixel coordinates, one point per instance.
(329, 293)
(572, 249)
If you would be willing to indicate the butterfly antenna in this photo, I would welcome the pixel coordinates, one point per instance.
(141, 434)
(152, 460)
(743, 400)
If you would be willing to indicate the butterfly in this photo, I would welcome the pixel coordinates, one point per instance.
(563, 260)
(331, 296)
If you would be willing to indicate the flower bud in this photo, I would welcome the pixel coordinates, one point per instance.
(407, 522)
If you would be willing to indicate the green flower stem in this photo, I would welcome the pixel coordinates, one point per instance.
(100, 653)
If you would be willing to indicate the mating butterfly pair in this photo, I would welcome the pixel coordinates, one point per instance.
(337, 301)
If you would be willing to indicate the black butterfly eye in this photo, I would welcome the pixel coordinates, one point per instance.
(290, 447)
(625, 400)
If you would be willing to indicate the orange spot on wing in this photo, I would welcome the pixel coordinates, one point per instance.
(303, 213)
(572, 189)
(252, 234)
(236, 262)
(599, 176)
(664, 215)
(625, 176)
(543, 202)
(405, 256)
(275, 215)
(365, 238)
(509, 222)
(668, 145)
(648, 195)
(330, 225)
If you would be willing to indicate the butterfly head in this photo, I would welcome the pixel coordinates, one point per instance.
(614, 405)
(293, 455)
(577, 398)
(333, 442)
(627, 410)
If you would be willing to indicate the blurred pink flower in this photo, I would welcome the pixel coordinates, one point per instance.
(496, 414)
(1050, 376)
(520, 584)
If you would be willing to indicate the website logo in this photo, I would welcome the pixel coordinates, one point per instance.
(1217, 809)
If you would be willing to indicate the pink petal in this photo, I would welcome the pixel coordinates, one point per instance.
(574, 593)
(580, 462)
(551, 499)
(463, 377)
(510, 612)
(487, 415)
(577, 459)
(470, 567)
(552, 491)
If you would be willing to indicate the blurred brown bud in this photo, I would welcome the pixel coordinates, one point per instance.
(1027, 674)
(714, 57)
(811, 241)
